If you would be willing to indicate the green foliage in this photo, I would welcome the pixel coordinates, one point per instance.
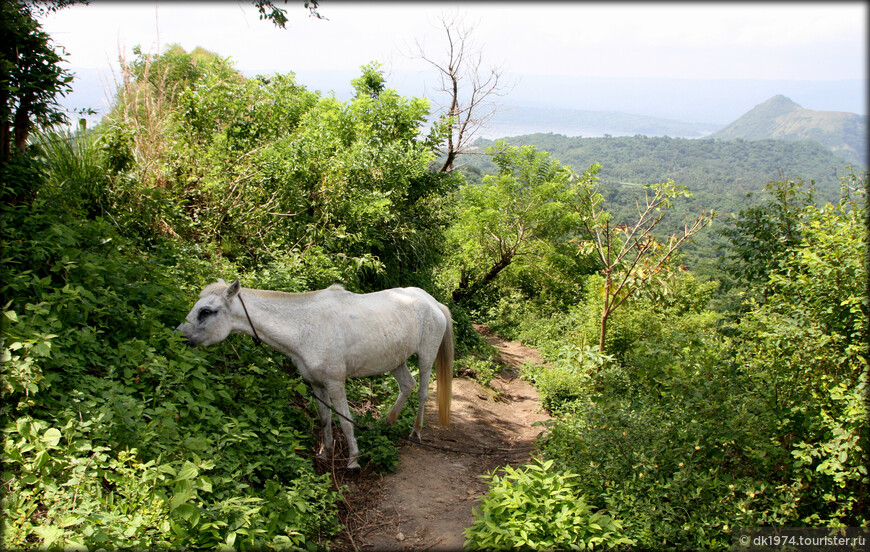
(538, 508)
(631, 257)
(177, 69)
(467, 341)
(523, 217)
(378, 441)
(484, 370)
(568, 378)
(690, 426)
(649, 439)
(804, 349)
(198, 173)
(115, 433)
(75, 176)
(719, 172)
(371, 83)
(763, 234)
(691, 431)
(660, 471)
(263, 170)
(278, 16)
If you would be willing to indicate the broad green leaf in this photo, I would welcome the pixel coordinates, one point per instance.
(51, 437)
(187, 471)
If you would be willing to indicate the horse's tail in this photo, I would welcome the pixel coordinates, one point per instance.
(444, 375)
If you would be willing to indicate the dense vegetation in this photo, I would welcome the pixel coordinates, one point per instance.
(697, 420)
(115, 432)
(719, 173)
(710, 406)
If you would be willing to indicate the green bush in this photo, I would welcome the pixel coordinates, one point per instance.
(803, 347)
(696, 430)
(569, 377)
(118, 435)
(674, 480)
(537, 508)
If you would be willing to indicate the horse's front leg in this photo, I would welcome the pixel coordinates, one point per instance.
(325, 414)
(339, 401)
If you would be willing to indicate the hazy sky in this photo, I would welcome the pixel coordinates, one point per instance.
(544, 48)
(801, 41)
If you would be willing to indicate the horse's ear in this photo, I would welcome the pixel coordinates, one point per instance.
(232, 290)
(221, 281)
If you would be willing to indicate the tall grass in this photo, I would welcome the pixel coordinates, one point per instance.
(75, 178)
(142, 108)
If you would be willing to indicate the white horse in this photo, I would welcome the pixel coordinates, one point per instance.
(333, 334)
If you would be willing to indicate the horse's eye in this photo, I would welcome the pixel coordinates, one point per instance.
(205, 313)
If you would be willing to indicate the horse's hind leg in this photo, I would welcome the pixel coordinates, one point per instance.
(325, 414)
(406, 385)
(425, 362)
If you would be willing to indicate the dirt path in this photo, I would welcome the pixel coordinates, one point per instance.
(428, 502)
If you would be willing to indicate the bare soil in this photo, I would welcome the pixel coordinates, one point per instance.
(427, 503)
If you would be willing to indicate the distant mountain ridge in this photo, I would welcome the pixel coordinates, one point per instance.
(779, 118)
(511, 120)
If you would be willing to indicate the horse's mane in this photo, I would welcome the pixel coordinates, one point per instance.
(219, 287)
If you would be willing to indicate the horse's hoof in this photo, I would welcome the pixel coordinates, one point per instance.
(353, 470)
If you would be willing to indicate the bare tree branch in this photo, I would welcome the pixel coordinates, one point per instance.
(469, 87)
(635, 251)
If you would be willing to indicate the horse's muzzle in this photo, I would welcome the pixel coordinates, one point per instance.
(180, 329)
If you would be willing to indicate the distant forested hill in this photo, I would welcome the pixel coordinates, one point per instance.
(723, 170)
(845, 134)
(720, 173)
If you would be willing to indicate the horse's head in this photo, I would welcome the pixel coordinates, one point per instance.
(210, 320)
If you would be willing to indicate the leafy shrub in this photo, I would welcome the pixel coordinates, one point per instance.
(118, 435)
(534, 508)
(378, 442)
(76, 178)
(560, 388)
(646, 433)
(467, 340)
(804, 349)
(674, 480)
(569, 377)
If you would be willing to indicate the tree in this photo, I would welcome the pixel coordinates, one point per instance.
(631, 256)
(30, 77)
(270, 172)
(530, 204)
(468, 86)
(763, 234)
(804, 349)
(278, 16)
